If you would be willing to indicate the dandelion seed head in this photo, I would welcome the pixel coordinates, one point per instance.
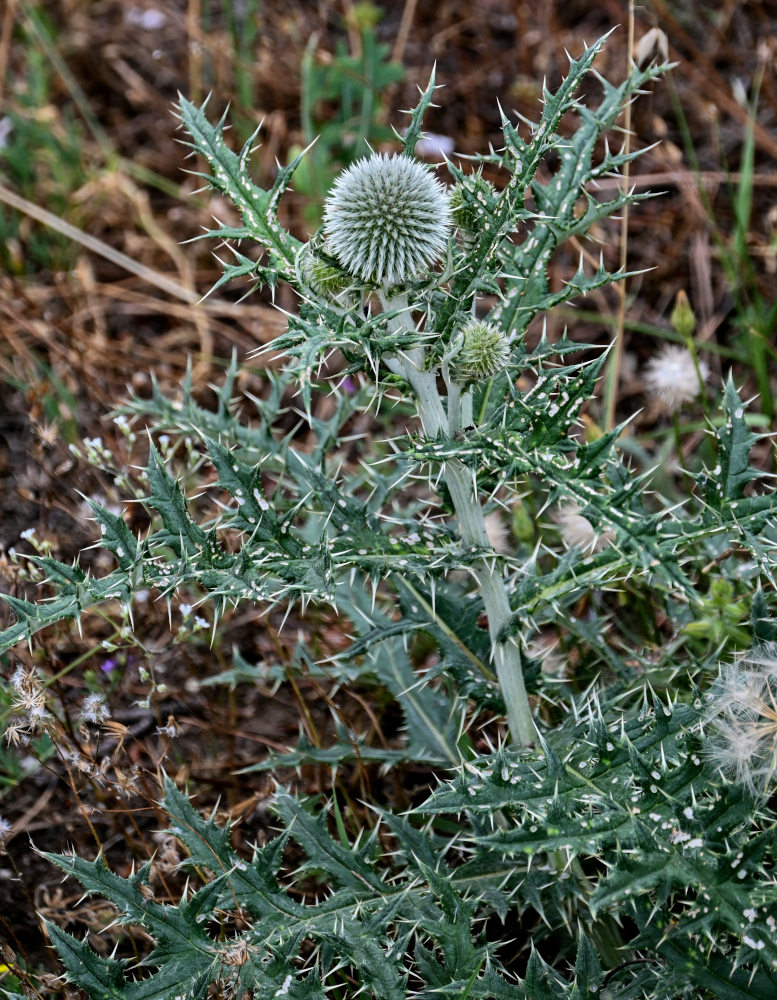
(743, 719)
(94, 709)
(671, 377)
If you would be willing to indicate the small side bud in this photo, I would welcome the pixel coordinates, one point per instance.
(321, 274)
(484, 352)
(471, 201)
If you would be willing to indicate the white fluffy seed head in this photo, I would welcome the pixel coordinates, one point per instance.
(743, 717)
(578, 532)
(387, 219)
(671, 377)
(484, 352)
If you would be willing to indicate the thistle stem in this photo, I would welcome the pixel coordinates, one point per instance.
(506, 653)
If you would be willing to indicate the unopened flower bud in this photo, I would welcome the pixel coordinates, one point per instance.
(683, 318)
(321, 274)
(484, 352)
(470, 201)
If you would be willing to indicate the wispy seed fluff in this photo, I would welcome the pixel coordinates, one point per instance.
(743, 720)
(578, 532)
(387, 219)
(671, 377)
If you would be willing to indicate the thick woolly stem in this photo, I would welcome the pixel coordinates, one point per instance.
(434, 420)
(506, 654)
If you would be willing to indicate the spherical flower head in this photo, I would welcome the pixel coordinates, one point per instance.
(671, 377)
(387, 219)
(484, 352)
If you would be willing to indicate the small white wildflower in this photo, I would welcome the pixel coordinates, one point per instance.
(19, 679)
(5, 829)
(200, 622)
(95, 709)
(671, 377)
(148, 20)
(171, 730)
(37, 714)
(185, 609)
(578, 532)
(743, 717)
(28, 534)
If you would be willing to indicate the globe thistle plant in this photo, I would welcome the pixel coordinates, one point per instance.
(387, 219)
(601, 832)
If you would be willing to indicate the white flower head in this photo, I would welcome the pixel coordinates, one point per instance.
(671, 377)
(578, 532)
(387, 219)
(743, 718)
(94, 709)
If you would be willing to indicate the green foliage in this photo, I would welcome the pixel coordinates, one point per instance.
(343, 107)
(36, 160)
(599, 824)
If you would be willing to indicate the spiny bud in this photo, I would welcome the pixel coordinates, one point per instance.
(484, 352)
(387, 219)
(470, 201)
(321, 274)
